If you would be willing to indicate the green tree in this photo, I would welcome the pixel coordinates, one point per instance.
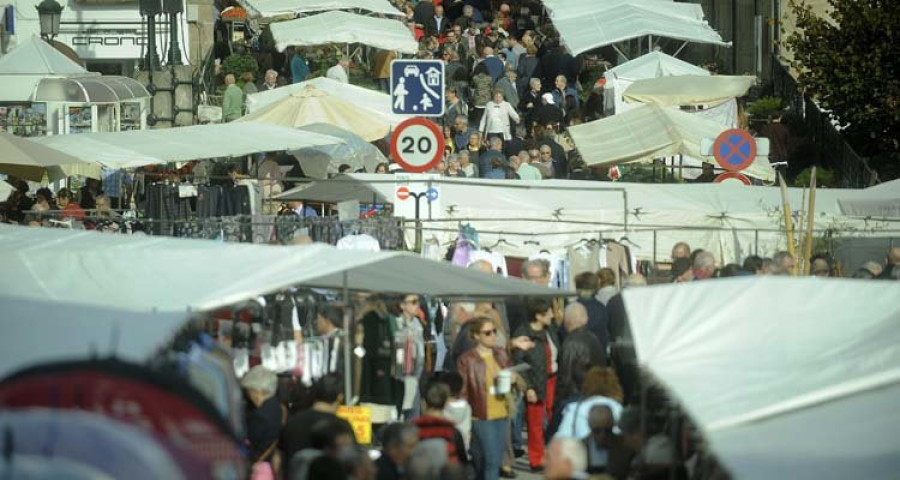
(850, 64)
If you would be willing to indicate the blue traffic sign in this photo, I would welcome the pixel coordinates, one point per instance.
(431, 194)
(417, 87)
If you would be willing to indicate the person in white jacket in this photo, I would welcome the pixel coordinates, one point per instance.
(496, 118)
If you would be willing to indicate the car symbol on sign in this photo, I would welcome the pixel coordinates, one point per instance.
(411, 70)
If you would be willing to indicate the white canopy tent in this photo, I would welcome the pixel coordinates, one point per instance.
(367, 101)
(572, 8)
(880, 201)
(343, 27)
(162, 274)
(626, 21)
(652, 65)
(23, 68)
(30, 160)
(47, 331)
(268, 9)
(145, 147)
(689, 89)
(787, 377)
(731, 222)
(649, 132)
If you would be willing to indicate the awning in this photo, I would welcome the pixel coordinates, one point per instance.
(79, 332)
(689, 89)
(105, 89)
(371, 102)
(787, 377)
(650, 132)
(146, 147)
(652, 65)
(278, 8)
(588, 31)
(169, 274)
(342, 27)
(28, 159)
(571, 8)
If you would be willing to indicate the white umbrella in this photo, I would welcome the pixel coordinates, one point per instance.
(319, 162)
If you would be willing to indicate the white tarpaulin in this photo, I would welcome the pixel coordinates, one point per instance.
(689, 89)
(571, 8)
(588, 31)
(27, 159)
(651, 132)
(787, 377)
(731, 222)
(146, 147)
(342, 27)
(369, 102)
(23, 68)
(46, 332)
(879, 201)
(278, 8)
(169, 274)
(652, 65)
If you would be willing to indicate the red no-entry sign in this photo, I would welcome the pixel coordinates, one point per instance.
(402, 193)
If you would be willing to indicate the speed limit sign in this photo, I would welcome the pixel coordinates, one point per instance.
(417, 145)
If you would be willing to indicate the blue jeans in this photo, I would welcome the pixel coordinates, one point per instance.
(517, 422)
(488, 444)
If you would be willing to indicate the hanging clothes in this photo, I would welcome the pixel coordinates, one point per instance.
(618, 259)
(584, 257)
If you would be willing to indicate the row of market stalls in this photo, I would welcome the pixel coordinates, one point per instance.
(46, 93)
(518, 218)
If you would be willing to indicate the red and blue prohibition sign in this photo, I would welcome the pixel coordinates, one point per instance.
(735, 150)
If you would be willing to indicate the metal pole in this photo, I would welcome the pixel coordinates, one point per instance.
(654, 246)
(348, 336)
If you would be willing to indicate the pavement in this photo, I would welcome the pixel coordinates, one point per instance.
(522, 470)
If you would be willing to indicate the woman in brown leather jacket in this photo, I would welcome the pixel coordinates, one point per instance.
(479, 368)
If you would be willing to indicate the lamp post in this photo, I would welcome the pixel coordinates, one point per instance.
(49, 12)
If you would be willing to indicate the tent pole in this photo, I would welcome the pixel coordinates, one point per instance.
(348, 311)
(619, 52)
(680, 49)
(811, 221)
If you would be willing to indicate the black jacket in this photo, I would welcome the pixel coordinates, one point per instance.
(536, 377)
(580, 351)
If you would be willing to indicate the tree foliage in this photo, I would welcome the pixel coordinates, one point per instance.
(850, 64)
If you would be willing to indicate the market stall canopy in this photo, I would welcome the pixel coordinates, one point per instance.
(105, 89)
(169, 274)
(650, 132)
(787, 377)
(570, 8)
(880, 201)
(280, 8)
(30, 160)
(588, 31)
(311, 105)
(146, 147)
(80, 332)
(342, 27)
(689, 89)
(652, 65)
(731, 222)
(369, 102)
(344, 187)
(319, 162)
(33, 60)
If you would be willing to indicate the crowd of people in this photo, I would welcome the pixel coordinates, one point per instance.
(555, 381)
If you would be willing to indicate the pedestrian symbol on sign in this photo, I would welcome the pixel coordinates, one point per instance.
(422, 83)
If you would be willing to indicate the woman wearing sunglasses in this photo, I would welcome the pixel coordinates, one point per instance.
(480, 368)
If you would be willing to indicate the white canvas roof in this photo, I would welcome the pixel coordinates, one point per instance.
(570, 8)
(319, 162)
(652, 65)
(880, 201)
(278, 8)
(168, 274)
(588, 31)
(370, 102)
(25, 158)
(787, 377)
(531, 215)
(649, 132)
(33, 60)
(145, 147)
(342, 27)
(79, 332)
(689, 89)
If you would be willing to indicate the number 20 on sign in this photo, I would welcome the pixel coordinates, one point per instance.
(417, 145)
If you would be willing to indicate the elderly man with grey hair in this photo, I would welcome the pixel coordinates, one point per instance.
(580, 350)
(265, 415)
(704, 265)
(340, 72)
(270, 81)
(783, 263)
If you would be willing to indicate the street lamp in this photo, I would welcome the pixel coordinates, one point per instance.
(49, 12)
